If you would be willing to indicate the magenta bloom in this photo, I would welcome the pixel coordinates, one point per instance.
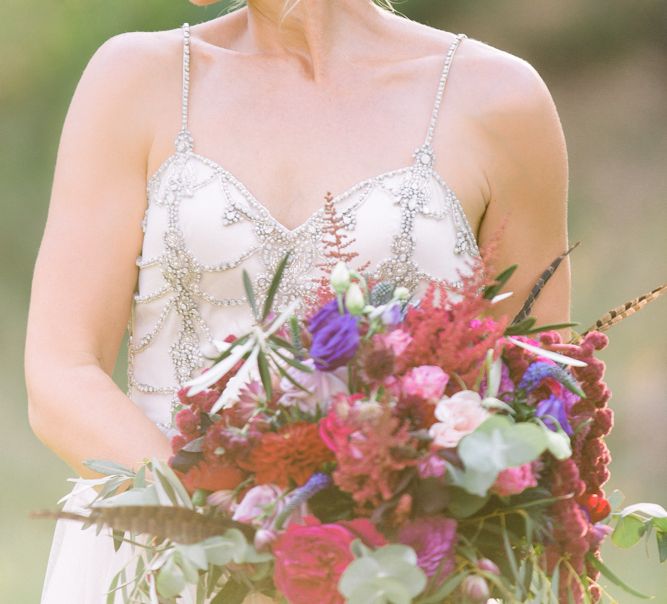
(434, 540)
(310, 559)
(335, 337)
(513, 481)
(426, 381)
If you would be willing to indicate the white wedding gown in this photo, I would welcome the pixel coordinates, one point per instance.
(201, 229)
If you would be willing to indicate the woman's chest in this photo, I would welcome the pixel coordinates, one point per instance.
(203, 228)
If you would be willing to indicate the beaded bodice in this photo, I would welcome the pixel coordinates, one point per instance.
(203, 227)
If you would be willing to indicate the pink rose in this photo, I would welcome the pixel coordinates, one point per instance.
(459, 415)
(513, 481)
(398, 340)
(262, 505)
(310, 558)
(427, 382)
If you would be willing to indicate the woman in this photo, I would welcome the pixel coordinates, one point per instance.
(279, 103)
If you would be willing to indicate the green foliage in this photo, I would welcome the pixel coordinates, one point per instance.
(387, 575)
(183, 564)
(497, 444)
(639, 520)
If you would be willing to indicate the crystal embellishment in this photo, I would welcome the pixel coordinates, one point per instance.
(173, 305)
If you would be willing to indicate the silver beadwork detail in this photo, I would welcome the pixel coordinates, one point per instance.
(174, 182)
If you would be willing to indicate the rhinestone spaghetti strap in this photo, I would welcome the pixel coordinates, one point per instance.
(184, 139)
(441, 86)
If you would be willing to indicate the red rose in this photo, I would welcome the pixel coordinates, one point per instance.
(311, 558)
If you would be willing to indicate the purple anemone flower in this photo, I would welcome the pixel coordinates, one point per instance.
(335, 337)
(553, 411)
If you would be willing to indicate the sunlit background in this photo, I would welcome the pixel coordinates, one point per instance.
(605, 62)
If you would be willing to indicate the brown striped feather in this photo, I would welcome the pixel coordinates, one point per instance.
(622, 312)
(176, 524)
(539, 285)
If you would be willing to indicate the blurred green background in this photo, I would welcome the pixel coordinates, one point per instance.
(605, 62)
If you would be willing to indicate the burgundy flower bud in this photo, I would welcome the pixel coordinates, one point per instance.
(489, 566)
(475, 589)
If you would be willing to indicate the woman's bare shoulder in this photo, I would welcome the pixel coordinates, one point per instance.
(497, 80)
(129, 53)
(134, 72)
(503, 84)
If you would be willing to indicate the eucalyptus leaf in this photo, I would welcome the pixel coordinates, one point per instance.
(170, 579)
(661, 538)
(195, 553)
(168, 478)
(232, 546)
(113, 587)
(497, 444)
(357, 574)
(628, 531)
(139, 480)
(189, 569)
(388, 574)
(108, 468)
(651, 510)
(558, 442)
(141, 496)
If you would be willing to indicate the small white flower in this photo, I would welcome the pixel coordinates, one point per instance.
(354, 299)
(340, 278)
(401, 293)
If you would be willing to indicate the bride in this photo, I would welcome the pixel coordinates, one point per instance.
(191, 154)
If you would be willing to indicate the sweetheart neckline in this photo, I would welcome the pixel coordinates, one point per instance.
(315, 214)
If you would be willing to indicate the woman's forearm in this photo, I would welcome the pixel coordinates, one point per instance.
(80, 413)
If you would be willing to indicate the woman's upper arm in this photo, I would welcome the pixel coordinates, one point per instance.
(527, 175)
(85, 272)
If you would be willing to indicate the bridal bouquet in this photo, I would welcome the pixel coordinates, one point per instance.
(382, 451)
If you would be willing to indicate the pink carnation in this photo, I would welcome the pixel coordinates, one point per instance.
(513, 481)
(426, 381)
(433, 539)
(310, 559)
(398, 340)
